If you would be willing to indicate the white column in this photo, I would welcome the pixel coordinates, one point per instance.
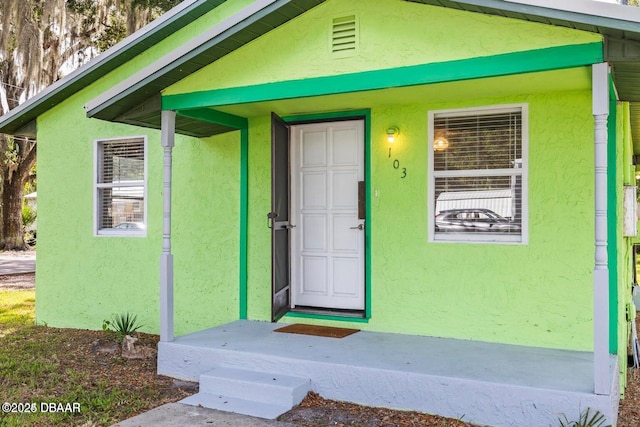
(602, 384)
(166, 259)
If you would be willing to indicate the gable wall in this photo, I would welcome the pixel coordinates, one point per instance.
(393, 33)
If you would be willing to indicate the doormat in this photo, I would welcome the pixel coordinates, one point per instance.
(319, 331)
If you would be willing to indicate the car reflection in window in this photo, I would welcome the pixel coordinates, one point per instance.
(474, 220)
(130, 226)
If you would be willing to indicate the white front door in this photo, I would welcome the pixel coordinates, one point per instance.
(327, 242)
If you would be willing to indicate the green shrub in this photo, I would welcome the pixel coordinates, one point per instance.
(28, 215)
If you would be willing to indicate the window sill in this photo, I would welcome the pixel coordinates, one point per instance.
(120, 233)
(477, 238)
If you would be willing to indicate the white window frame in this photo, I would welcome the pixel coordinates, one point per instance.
(523, 238)
(112, 232)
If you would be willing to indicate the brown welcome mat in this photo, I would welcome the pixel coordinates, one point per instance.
(320, 331)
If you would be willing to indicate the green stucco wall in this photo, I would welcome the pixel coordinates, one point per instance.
(392, 34)
(625, 175)
(537, 294)
(83, 279)
(534, 294)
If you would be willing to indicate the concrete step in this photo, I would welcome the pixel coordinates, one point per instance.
(248, 392)
(253, 385)
(236, 405)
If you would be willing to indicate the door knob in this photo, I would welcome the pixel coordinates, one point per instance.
(359, 227)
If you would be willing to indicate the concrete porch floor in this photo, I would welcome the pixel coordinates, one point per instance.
(484, 383)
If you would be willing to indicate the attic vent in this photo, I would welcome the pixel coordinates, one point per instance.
(344, 34)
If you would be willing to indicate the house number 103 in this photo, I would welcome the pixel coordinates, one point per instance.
(396, 165)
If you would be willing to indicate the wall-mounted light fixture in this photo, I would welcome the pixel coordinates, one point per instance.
(440, 143)
(392, 133)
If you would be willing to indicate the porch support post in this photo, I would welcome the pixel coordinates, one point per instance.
(168, 125)
(600, 88)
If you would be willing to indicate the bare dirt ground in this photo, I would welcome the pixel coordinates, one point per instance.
(314, 411)
(629, 412)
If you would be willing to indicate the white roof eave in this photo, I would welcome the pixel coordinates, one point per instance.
(99, 60)
(587, 7)
(173, 59)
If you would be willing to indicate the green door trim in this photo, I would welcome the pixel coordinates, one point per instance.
(536, 60)
(340, 115)
(244, 222)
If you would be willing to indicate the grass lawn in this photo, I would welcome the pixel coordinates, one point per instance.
(44, 370)
(16, 310)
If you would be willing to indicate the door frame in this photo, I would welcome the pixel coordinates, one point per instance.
(365, 115)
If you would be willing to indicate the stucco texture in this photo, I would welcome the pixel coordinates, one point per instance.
(392, 34)
(259, 235)
(83, 280)
(536, 294)
(622, 280)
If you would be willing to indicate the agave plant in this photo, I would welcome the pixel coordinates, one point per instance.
(122, 325)
(587, 419)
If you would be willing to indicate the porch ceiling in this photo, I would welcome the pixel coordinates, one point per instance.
(624, 57)
(148, 114)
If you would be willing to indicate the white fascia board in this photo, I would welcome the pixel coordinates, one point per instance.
(174, 58)
(102, 58)
(587, 7)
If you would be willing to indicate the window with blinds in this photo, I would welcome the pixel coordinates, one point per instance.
(477, 168)
(121, 187)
